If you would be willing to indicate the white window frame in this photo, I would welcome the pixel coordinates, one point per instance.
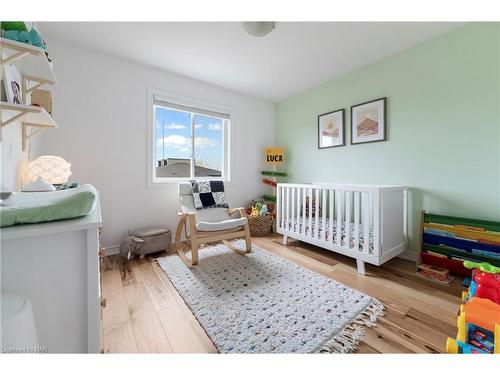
(227, 132)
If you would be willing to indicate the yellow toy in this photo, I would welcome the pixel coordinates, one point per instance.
(255, 212)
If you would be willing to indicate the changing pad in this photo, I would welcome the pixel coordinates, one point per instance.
(62, 205)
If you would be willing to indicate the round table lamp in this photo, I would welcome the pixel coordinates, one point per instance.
(45, 171)
(52, 169)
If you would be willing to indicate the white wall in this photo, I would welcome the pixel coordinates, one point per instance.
(13, 159)
(101, 108)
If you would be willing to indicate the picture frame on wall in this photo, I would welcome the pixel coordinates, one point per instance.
(13, 84)
(331, 129)
(369, 122)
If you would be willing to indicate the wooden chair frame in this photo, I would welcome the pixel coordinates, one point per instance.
(197, 238)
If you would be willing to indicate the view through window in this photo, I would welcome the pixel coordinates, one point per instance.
(189, 142)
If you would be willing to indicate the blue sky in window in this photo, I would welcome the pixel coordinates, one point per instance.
(173, 137)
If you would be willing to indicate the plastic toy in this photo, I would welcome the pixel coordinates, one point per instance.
(485, 281)
(35, 38)
(479, 319)
(11, 34)
(478, 328)
(466, 282)
(13, 25)
(264, 211)
(255, 212)
(28, 37)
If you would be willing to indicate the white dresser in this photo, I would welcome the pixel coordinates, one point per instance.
(56, 266)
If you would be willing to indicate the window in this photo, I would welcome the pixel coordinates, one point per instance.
(189, 141)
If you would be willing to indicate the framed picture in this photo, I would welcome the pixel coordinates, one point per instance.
(369, 122)
(331, 129)
(13, 84)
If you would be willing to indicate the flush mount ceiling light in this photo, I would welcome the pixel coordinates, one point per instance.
(259, 29)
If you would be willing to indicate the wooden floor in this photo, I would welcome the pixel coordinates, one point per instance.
(145, 314)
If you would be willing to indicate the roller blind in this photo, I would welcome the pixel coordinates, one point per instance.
(186, 108)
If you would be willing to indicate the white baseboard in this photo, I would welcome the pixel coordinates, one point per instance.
(111, 250)
(408, 255)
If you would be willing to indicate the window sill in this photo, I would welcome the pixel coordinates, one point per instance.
(159, 183)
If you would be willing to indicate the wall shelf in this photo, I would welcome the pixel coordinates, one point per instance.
(34, 119)
(30, 60)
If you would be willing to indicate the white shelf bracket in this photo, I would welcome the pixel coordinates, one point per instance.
(27, 135)
(15, 56)
(38, 82)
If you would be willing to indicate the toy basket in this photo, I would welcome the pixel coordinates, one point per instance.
(260, 225)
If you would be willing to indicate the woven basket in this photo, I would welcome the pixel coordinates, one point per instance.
(260, 225)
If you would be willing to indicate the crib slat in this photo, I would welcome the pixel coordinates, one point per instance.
(338, 193)
(297, 218)
(292, 215)
(371, 210)
(348, 218)
(366, 222)
(356, 220)
(283, 190)
(304, 205)
(316, 214)
(323, 216)
(376, 221)
(278, 201)
(287, 208)
(331, 217)
(310, 212)
(283, 207)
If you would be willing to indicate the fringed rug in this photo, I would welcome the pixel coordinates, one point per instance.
(262, 303)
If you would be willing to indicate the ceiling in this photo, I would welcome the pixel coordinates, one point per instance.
(294, 57)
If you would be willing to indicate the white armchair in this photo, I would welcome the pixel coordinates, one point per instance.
(208, 225)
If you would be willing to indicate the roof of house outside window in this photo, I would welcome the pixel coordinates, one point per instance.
(173, 167)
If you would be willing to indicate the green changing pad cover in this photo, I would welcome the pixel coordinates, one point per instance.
(76, 205)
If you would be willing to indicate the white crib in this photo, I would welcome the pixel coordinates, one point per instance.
(371, 219)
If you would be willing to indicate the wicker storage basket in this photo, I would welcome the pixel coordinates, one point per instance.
(260, 225)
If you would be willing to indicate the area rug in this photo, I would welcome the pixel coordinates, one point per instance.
(262, 303)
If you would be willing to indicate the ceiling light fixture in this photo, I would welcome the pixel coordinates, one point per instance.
(259, 29)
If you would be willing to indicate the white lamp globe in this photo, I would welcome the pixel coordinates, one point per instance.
(52, 169)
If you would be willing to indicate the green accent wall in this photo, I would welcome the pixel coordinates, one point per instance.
(443, 126)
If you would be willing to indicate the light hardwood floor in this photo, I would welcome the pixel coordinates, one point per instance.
(145, 314)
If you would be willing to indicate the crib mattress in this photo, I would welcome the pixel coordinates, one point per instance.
(292, 225)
